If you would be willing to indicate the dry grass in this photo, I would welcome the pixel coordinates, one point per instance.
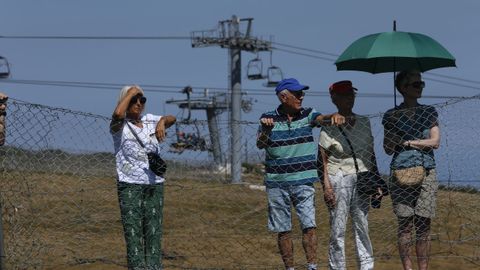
(60, 221)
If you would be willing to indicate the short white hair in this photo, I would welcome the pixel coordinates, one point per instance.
(283, 92)
(124, 91)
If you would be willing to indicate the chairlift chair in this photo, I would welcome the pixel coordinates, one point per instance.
(274, 76)
(254, 69)
(4, 68)
(188, 141)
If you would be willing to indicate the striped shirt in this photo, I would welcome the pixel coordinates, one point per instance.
(291, 152)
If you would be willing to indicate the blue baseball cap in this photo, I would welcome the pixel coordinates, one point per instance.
(290, 84)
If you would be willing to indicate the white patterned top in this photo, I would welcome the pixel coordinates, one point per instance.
(131, 157)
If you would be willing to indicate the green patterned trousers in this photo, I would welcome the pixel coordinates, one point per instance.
(141, 207)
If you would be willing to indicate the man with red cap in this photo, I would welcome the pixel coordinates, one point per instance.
(347, 152)
(291, 167)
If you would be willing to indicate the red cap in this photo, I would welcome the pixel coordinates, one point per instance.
(342, 87)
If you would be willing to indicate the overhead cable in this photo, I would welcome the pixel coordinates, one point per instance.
(188, 38)
(176, 89)
(305, 54)
(336, 55)
(101, 37)
(452, 83)
(453, 78)
(305, 49)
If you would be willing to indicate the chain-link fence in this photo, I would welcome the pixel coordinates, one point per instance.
(60, 208)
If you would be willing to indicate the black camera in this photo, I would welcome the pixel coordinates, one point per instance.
(376, 202)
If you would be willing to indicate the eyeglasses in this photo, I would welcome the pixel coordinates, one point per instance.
(136, 98)
(417, 84)
(297, 94)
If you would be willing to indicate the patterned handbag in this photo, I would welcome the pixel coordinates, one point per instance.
(413, 176)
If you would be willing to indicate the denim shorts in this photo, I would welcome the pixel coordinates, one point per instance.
(280, 201)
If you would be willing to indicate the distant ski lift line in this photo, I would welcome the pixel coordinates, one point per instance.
(254, 92)
(188, 38)
(102, 37)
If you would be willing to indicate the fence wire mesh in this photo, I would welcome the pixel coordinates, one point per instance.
(60, 207)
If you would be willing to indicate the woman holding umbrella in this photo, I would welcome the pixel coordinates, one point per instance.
(411, 133)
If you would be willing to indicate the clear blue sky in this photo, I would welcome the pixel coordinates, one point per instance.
(328, 26)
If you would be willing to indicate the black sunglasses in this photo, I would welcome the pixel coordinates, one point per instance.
(138, 97)
(3, 100)
(297, 94)
(417, 84)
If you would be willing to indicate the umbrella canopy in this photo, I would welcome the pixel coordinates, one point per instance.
(394, 51)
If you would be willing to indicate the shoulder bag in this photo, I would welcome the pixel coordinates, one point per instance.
(367, 182)
(412, 176)
(155, 163)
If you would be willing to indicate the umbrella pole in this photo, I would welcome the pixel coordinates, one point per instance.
(394, 68)
(394, 92)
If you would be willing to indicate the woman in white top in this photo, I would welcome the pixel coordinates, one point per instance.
(340, 168)
(140, 190)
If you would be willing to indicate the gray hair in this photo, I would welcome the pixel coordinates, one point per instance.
(283, 92)
(124, 91)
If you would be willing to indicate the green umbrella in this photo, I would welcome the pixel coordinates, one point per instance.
(394, 51)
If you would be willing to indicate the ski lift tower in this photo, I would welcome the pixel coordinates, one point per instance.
(228, 35)
(213, 106)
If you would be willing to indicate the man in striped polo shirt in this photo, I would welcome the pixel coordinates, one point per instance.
(290, 170)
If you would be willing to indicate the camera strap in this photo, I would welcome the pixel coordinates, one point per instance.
(136, 136)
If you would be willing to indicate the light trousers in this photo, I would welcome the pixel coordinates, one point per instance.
(348, 202)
